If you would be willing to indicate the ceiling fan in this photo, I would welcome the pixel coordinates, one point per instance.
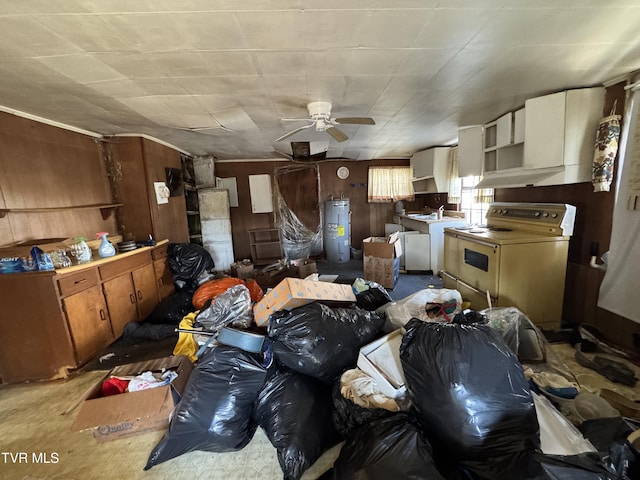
(320, 118)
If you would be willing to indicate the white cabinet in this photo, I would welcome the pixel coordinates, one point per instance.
(431, 169)
(470, 151)
(560, 131)
(417, 252)
(260, 189)
(502, 148)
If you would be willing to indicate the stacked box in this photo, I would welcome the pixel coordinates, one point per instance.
(381, 257)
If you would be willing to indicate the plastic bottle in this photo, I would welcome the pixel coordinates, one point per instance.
(83, 252)
(106, 249)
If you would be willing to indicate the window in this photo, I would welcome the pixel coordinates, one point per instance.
(475, 201)
(389, 184)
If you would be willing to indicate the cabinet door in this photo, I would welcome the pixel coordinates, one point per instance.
(122, 303)
(417, 254)
(544, 131)
(470, 151)
(422, 163)
(146, 290)
(89, 324)
(164, 278)
(260, 189)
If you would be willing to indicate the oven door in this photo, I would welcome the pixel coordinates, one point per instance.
(476, 263)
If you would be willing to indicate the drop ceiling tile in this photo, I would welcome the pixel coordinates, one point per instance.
(80, 67)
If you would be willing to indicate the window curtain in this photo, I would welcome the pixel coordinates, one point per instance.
(389, 184)
(482, 195)
(619, 288)
(455, 182)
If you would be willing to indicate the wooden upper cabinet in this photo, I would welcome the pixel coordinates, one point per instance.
(141, 163)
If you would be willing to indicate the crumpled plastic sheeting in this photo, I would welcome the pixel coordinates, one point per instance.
(215, 412)
(471, 396)
(233, 306)
(320, 341)
(295, 412)
(298, 241)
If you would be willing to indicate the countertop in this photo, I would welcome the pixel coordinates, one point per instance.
(96, 262)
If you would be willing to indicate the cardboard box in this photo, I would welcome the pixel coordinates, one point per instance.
(118, 416)
(381, 259)
(30, 256)
(303, 268)
(295, 292)
(242, 270)
(381, 360)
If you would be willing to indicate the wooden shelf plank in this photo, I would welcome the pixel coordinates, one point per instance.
(106, 209)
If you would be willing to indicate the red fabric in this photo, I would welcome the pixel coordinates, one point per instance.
(114, 386)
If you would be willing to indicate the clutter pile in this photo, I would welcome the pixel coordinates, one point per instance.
(416, 389)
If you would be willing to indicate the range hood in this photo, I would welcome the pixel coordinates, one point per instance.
(520, 177)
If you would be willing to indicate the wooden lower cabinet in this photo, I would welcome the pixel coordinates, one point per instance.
(53, 322)
(88, 322)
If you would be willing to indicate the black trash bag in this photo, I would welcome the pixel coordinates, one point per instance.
(389, 448)
(294, 410)
(470, 394)
(172, 309)
(215, 412)
(584, 466)
(188, 261)
(347, 416)
(374, 297)
(320, 341)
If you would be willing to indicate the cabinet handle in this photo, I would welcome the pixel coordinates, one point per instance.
(161, 281)
(102, 315)
(79, 281)
(139, 295)
(132, 298)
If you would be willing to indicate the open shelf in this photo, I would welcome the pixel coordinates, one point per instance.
(105, 209)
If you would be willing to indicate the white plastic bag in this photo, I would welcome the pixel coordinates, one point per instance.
(429, 305)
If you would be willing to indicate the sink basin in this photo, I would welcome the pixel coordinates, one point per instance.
(419, 216)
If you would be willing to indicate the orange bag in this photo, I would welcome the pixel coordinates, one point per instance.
(255, 290)
(213, 288)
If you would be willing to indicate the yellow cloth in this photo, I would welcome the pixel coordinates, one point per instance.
(186, 344)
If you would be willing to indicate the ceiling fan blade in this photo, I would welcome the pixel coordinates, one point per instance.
(336, 134)
(295, 120)
(355, 120)
(294, 132)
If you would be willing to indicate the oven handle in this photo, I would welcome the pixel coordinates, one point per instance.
(480, 242)
(472, 240)
(479, 292)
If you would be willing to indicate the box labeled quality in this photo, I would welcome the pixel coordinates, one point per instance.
(381, 259)
(295, 292)
(380, 359)
(118, 416)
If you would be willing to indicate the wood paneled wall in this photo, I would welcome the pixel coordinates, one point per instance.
(366, 219)
(45, 166)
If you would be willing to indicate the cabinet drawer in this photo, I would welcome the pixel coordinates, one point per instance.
(76, 282)
(160, 252)
(124, 265)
